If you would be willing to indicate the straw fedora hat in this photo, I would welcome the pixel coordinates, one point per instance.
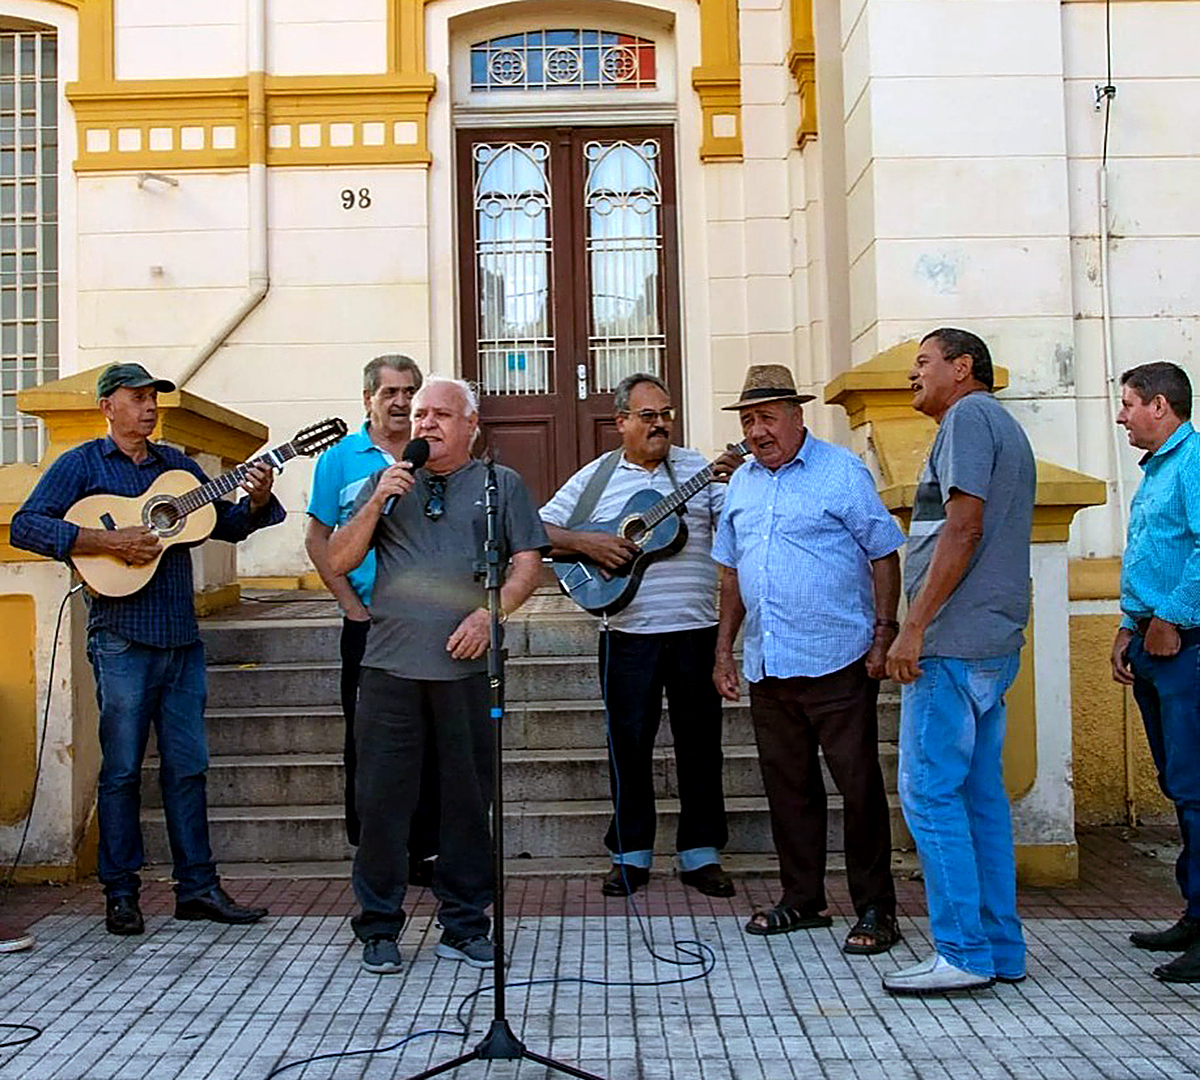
(768, 382)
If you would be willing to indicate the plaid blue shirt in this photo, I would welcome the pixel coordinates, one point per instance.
(162, 613)
(1160, 571)
(802, 539)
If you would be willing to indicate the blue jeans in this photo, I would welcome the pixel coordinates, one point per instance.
(1167, 691)
(952, 791)
(137, 685)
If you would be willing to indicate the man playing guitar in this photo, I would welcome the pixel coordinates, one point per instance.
(663, 639)
(144, 648)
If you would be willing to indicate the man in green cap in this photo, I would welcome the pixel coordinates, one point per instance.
(144, 648)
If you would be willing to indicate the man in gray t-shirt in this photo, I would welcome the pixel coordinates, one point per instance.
(424, 675)
(967, 583)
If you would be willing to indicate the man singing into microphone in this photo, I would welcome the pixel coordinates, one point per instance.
(424, 676)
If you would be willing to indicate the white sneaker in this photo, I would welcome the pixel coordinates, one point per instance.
(934, 975)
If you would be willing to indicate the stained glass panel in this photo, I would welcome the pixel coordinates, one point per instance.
(563, 60)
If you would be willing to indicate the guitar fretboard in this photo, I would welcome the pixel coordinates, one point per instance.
(226, 482)
(670, 503)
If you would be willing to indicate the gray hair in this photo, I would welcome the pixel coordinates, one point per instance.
(397, 362)
(626, 385)
(470, 401)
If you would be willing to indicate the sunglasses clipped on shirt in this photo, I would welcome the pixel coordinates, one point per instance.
(435, 504)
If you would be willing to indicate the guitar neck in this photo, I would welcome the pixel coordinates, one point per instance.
(227, 482)
(670, 503)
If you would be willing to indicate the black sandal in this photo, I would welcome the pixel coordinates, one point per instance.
(880, 929)
(782, 919)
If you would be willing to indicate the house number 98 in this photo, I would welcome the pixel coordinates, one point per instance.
(352, 199)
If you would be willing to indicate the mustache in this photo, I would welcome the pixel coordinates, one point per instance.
(659, 431)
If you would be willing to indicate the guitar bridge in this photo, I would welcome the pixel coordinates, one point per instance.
(576, 577)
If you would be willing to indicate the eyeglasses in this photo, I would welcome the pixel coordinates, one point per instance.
(435, 505)
(648, 416)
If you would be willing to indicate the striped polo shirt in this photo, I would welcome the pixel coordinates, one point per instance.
(680, 591)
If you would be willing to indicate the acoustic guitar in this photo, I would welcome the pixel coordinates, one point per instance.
(650, 520)
(176, 509)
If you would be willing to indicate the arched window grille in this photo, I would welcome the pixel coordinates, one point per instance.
(563, 60)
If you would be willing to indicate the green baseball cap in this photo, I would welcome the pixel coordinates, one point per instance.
(134, 376)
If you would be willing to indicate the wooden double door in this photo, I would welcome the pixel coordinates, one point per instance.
(569, 282)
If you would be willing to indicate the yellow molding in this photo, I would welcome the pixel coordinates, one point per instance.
(282, 583)
(18, 707)
(1047, 865)
(218, 599)
(16, 482)
(1094, 579)
(802, 63)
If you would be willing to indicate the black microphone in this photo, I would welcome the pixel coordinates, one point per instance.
(417, 452)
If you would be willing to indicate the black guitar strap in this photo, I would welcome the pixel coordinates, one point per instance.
(595, 488)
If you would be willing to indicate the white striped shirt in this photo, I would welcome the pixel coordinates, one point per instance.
(680, 591)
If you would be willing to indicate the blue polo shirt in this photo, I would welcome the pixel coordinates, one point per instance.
(339, 476)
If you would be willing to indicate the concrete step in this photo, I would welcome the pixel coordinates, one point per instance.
(533, 829)
(553, 775)
(533, 725)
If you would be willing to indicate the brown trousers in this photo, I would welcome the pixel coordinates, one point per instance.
(834, 713)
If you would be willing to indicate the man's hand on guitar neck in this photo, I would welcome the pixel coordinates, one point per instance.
(604, 549)
(257, 485)
(724, 465)
(135, 544)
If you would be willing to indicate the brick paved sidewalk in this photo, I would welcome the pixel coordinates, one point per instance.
(192, 1000)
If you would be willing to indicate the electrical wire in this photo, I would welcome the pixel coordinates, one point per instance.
(35, 1032)
(694, 953)
(1108, 90)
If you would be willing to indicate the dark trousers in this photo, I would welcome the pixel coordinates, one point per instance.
(634, 671)
(1167, 691)
(793, 719)
(397, 721)
(422, 839)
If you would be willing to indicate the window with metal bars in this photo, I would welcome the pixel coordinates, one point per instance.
(28, 230)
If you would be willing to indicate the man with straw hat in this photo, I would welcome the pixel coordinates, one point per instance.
(810, 563)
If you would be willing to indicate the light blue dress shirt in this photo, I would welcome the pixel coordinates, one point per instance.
(1160, 571)
(802, 539)
(339, 476)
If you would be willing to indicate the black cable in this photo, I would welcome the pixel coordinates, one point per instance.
(1108, 90)
(702, 955)
(35, 1032)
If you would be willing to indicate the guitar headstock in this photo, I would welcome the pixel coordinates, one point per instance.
(742, 448)
(320, 436)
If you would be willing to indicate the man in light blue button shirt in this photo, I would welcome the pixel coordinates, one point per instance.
(811, 565)
(1157, 648)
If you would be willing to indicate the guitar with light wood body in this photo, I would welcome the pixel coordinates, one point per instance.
(176, 509)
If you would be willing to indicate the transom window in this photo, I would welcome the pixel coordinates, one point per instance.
(563, 60)
(28, 230)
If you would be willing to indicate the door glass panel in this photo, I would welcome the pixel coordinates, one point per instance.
(623, 211)
(512, 267)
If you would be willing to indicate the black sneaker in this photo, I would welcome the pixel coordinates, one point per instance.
(477, 951)
(123, 916)
(381, 956)
(1178, 938)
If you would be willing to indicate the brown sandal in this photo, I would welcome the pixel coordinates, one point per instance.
(782, 919)
(878, 928)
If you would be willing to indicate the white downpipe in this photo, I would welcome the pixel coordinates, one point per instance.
(260, 269)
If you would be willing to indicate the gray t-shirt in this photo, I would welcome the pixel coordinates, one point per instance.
(425, 582)
(979, 450)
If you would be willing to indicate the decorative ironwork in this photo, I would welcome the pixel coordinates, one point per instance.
(512, 267)
(28, 231)
(623, 202)
(563, 59)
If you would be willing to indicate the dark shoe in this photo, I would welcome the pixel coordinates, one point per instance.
(420, 871)
(477, 951)
(1183, 969)
(217, 905)
(1178, 938)
(624, 880)
(14, 939)
(123, 916)
(381, 956)
(782, 919)
(709, 879)
(877, 928)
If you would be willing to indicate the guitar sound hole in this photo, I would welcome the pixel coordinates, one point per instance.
(634, 529)
(164, 517)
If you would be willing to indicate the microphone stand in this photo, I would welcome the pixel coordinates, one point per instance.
(499, 1044)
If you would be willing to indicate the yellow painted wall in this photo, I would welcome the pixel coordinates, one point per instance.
(18, 708)
(1100, 709)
